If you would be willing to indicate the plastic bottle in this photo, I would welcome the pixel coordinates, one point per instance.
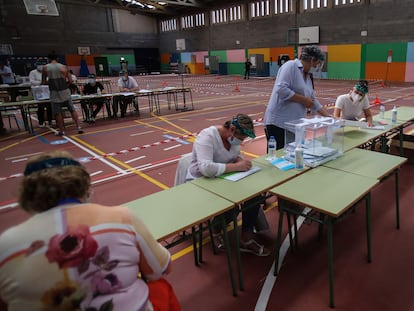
(394, 115)
(98, 91)
(299, 157)
(382, 111)
(271, 148)
(148, 86)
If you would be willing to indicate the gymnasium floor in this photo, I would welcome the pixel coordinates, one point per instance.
(135, 156)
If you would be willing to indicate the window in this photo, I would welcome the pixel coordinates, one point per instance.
(259, 8)
(317, 4)
(235, 13)
(192, 21)
(219, 16)
(169, 25)
(283, 6)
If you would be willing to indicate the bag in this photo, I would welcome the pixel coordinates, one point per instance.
(261, 222)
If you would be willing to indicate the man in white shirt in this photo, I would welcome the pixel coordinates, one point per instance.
(6, 74)
(125, 84)
(35, 77)
(351, 105)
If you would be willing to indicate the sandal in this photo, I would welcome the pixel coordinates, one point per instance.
(219, 241)
(255, 248)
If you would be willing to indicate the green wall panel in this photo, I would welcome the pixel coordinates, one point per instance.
(221, 54)
(235, 68)
(113, 59)
(378, 52)
(344, 70)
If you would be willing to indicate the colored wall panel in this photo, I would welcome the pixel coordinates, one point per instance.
(235, 68)
(165, 58)
(379, 71)
(199, 69)
(344, 53)
(275, 52)
(223, 68)
(379, 52)
(410, 52)
(75, 59)
(409, 72)
(265, 52)
(222, 55)
(344, 70)
(236, 56)
(186, 57)
(200, 56)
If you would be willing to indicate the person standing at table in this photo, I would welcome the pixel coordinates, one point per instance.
(247, 66)
(35, 77)
(57, 76)
(293, 94)
(95, 257)
(88, 104)
(6, 73)
(125, 84)
(351, 105)
(216, 151)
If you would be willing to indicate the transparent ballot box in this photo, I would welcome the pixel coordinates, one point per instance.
(321, 138)
(40, 92)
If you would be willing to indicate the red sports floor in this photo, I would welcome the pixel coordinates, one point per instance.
(132, 157)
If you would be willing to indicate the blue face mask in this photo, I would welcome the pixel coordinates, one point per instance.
(234, 141)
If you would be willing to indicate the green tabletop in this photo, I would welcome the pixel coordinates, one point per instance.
(171, 211)
(354, 136)
(326, 190)
(367, 163)
(403, 114)
(248, 187)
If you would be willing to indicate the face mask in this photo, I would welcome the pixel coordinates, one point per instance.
(356, 97)
(91, 81)
(40, 67)
(124, 78)
(234, 141)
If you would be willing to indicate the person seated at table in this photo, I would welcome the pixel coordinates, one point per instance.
(88, 104)
(35, 78)
(125, 84)
(6, 73)
(350, 106)
(216, 151)
(95, 257)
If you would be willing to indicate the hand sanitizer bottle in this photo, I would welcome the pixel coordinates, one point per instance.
(98, 91)
(394, 115)
(382, 111)
(299, 157)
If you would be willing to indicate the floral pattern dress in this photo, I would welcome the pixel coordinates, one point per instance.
(80, 257)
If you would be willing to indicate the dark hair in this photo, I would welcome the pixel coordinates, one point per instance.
(52, 56)
(311, 52)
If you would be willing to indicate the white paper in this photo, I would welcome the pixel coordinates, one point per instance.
(239, 175)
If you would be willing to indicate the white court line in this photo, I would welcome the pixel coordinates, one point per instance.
(269, 283)
(19, 160)
(23, 155)
(135, 159)
(95, 173)
(141, 133)
(8, 206)
(172, 147)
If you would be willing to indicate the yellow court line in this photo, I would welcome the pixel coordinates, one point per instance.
(21, 142)
(122, 164)
(171, 123)
(160, 128)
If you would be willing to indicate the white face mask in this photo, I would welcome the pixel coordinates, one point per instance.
(39, 67)
(91, 81)
(356, 97)
(234, 141)
(124, 78)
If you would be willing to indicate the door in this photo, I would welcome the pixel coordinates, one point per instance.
(101, 66)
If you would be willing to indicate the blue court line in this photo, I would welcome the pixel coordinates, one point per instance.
(183, 142)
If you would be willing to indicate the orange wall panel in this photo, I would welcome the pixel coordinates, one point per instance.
(75, 59)
(165, 58)
(275, 52)
(378, 71)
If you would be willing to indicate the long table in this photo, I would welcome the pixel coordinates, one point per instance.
(192, 206)
(315, 190)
